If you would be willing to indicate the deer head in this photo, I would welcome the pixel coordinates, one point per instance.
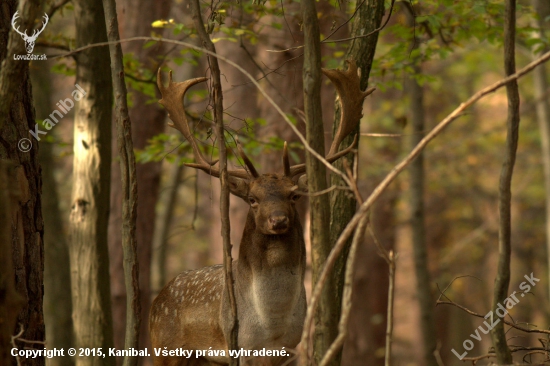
(29, 40)
(248, 183)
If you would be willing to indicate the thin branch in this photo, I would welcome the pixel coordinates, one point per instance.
(326, 40)
(129, 184)
(231, 338)
(365, 35)
(391, 297)
(513, 325)
(55, 7)
(286, 22)
(357, 8)
(364, 208)
(353, 186)
(515, 349)
(135, 78)
(320, 193)
(238, 67)
(58, 46)
(348, 291)
(502, 278)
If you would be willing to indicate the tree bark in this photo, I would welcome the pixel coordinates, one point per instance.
(129, 185)
(167, 201)
(540, 75)
(148, 120)
(502, 281)
(326, 319)
(420, 248)
(415, 94)
(21, 223)
(10, 301)
(232, 333)
(90, 196)
(58, 306)
(342, 206)
(11, 70)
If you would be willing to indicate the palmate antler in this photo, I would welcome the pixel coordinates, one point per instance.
(172, 100)
(351, 100)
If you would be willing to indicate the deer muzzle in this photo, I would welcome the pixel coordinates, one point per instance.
(278, 222)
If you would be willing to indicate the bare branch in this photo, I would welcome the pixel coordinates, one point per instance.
(346, 298)
(232, 337)
(326, 40)
(364, 208)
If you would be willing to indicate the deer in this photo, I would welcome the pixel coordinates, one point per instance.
(191, 312)
(29, 40)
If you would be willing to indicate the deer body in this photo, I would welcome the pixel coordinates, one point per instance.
(191, 313)
(269, 287)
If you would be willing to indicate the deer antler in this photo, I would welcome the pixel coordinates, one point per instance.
(37, 32)
(172, 100)
(351, 100)
(15, 16)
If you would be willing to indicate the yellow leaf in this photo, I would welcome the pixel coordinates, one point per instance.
(159, 23)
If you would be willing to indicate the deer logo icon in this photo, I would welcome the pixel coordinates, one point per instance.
(29, 40)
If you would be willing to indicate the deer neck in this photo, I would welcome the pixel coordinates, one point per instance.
(270, 275)
(271, 253)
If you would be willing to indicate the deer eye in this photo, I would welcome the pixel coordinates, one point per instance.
(252, 200)
(294, 197)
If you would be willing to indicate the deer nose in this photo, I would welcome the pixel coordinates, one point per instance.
(278, 220)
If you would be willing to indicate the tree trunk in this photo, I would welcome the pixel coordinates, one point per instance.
(415, 94)
(342, 206)
(148, 120)
(420, 249)
(10, 301)
(167, 201)
(129, 185)
(90, 197)
(326, 318)
(21, 224)
(58, 306)
(502, 280)
(540, 75)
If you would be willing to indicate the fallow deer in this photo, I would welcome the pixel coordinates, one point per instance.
(191, 311)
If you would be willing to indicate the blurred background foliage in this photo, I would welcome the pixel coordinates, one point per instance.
(459, 50)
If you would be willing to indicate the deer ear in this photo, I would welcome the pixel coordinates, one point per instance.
(239, 187)
(302, 183)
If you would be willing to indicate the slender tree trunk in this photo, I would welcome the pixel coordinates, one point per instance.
(540, 75)
(21, 223)
(415, 94)
(502, 280)
(167, 201)
(129, 185)
(148, 120)
(420, 248)
(326, 318)
(232, 332)
(58, 306)
(342, 206)
(90, 197)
